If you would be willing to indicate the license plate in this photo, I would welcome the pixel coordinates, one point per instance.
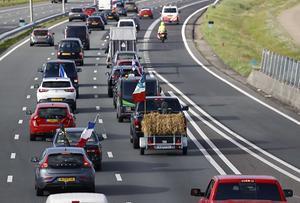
(56, 99)
(71, 179)
(110, 17)
(66, 54)
(94, 23)
(146, 15)
(163, 147)
(52, 120)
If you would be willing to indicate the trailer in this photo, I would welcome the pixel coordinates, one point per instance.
(104, 5)
(120, 39)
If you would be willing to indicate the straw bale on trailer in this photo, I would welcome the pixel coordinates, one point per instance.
(163, 124)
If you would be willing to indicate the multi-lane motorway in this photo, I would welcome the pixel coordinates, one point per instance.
(230, 132)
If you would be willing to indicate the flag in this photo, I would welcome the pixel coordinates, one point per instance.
(136, 66)
(139, 94)
(61, 72)
(86, 134)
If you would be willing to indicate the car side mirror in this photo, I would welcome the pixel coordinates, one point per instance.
(28, 112)
(197, 192)
(36, 86)
(185, 108)
(35, 159)
(40, 70)
(78, 70)
(288, 193)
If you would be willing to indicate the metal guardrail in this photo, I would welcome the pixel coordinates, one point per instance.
(30, 25)
(281, 68)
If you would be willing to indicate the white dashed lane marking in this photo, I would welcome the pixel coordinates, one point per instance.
(95, 87)
(94, 78)
(28, 97)
(97, 59)
(24, 108)
(97, 108)
(104, 135)
(110, 155)
(31, 87)
(36, 78)
(118, 177)
(17, 136)
(95, 71)
(12, 155)
(20, 121)
(48, 59)
(100, 120)
(52, 53)
(99, 53)
(9, 178)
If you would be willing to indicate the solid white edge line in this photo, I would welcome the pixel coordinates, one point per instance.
(224, 80)
(9, 179)
(110, 155)
(207, 140)
(118, 177)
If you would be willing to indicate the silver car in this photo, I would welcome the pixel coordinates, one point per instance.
(64, 168)
(42, 36)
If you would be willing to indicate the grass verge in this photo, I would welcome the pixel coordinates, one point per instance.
(242, 29)
(6, 3)
(4, 45)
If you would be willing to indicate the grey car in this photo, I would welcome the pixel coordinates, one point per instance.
(64, 168)
(41, 36)
(77, 14)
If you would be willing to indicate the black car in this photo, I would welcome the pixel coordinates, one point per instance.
(42, 36)
(77, 14)
(70, 48)
(51, 69)
(131, 7)
(153, 104)
(112, 15)
(102, 15)
(122, 95)
(61, 168)
(95, 22)
(115, 74)
(79, 31)
(93, 146)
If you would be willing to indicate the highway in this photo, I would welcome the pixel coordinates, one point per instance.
(230, 133)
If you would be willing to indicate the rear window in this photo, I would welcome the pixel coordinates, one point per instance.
(97, 19)
(52, 70)
(65, 160)
(76, 10)
(126, 24)
(129, 87)
(124, 63)
(158, 104)
(40, 32)
(253, 191)
(125, 56)
(52, 113)
(77, 32)
(56, 84)
(170, 10)
(73, 138)
(70, 46)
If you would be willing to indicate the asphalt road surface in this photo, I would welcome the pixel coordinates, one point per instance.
(229, 132)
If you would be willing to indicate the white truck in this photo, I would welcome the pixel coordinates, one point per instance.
(104, 5)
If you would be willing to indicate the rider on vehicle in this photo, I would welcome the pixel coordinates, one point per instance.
(162, 29)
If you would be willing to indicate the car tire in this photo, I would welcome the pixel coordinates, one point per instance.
(32, 137)
(110, 92)
(142, 151)
(77, 93)
(136, 143)
(88, 47)
(184, 150)
(31, 44)
(81, 63)
(98, 166)
(74, 107)
(120, 119)
(39, 192)
(70, 20)
(91, 189)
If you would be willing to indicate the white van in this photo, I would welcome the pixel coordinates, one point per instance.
(170, 14)
(77, 198)
(126, 23)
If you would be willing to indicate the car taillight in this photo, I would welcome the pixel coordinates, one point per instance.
(58, 53)
(70, 90)
(43, 90)
(76, 80)
(86, 163)
(136, 123)
(95, 151)
(81, 55)
(34, 123)
(44, 164)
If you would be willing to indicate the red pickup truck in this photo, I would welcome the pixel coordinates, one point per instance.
(242, 189)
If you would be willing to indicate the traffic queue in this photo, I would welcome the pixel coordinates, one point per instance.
(157, 122)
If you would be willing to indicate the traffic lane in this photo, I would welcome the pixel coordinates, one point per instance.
(243, 115)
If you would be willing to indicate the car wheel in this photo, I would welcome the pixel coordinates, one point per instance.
(31, 44)
(142, 151)
(110, 92)
(120, 118)
(184, 150)
(39, 192)
(77, 93)
(32, 137)
(70, 20)
(98, 166)
(136, 143)
(74, 107)
(81, 63)
(92, 189)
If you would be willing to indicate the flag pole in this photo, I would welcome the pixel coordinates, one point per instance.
(145, 102)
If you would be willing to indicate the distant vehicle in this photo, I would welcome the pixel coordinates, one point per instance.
(58, 1)
(42, 36)
(121, 11)
(136, 20)
(122, 97)
(126, 23)
(170, 14)
(47, 117)
(79, 31)
(95, 22)
(243, 188)
(71, 48)
(131, 6)
(89, 11)
(112, 15)
(62, 168)
(128, 62)
(153, 104)
(57, 90)
(146, 13)
(77, 197)
(51, 69)
(101, 14)
(93, 146)
(104, 5)
(77, 14)
(116, 73)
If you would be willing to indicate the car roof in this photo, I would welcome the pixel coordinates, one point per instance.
(170, 6)
(75, 26)
(148, 77)
(51, 104)
(244, 177)
(125, 52)
(71, 39)
(60, 61)
(122, 67)
(80, 197)
(55, 150)
(126, 20)
(56, 79)
(40, 29)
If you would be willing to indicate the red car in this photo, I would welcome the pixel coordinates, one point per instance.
(242, 189)
(47, 117)
(146, 13)
(89, 11)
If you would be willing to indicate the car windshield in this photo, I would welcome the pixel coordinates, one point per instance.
(121, 72)
(70, 46)
(94, 19)
(250, 191)
(40, 32)
(56, 84)
(52, 113)
(77, 32)
(126, 24)
(157, 104)
(129, 87)
(170, 10)
(52, 69)
(65, 160)
(73, 138)
(76, 10)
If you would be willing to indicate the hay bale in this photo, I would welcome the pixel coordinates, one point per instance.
(163, 124)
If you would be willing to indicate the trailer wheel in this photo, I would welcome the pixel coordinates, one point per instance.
(142, 151)
(184, 150)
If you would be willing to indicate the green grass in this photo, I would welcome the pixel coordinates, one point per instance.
(4, 45)
(242, 29)
(5, 3)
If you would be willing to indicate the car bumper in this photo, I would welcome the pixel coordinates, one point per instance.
(77, 17)
(70, 102)
(78, 185)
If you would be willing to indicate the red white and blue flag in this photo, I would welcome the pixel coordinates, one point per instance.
(86, 134)
(139, 94)
(61, 72)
